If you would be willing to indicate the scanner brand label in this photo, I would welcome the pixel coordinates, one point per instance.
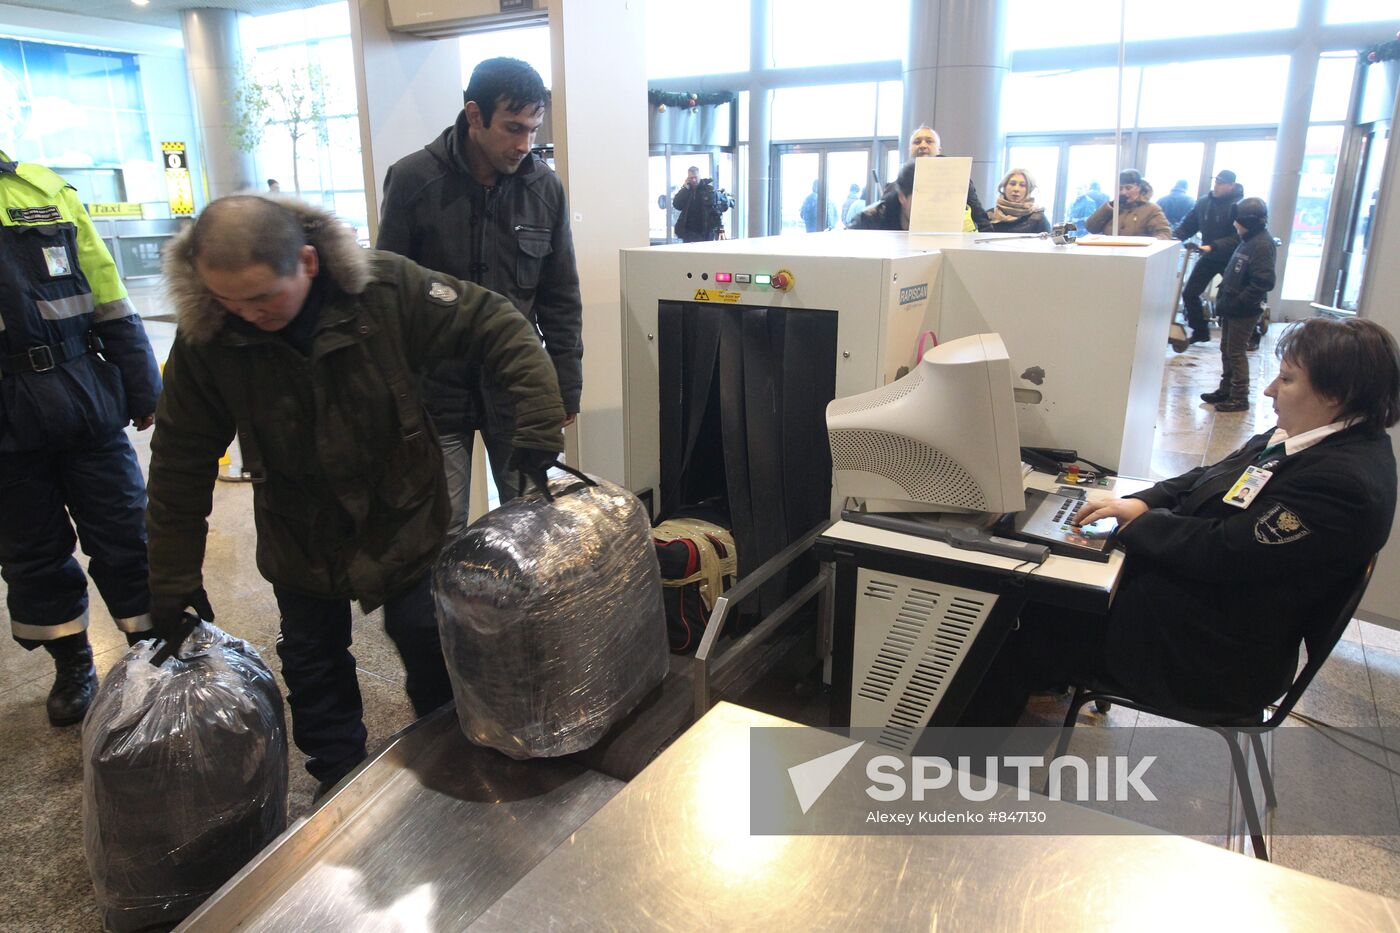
(912, 293)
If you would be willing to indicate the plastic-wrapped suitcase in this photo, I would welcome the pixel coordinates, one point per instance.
(551, 618)
(184, 776)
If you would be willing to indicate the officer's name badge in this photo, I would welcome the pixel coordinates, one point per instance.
(1242, 493)
(1279, 526)
(442, 293)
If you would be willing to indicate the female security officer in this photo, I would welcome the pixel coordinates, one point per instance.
(75, 369)
(1227, 565)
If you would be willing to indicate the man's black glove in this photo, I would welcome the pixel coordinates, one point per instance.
(167, 614)
(535, 464)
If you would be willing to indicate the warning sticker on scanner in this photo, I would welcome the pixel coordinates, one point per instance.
(714, 294)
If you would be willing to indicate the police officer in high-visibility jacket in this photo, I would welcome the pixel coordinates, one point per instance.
(75, 369)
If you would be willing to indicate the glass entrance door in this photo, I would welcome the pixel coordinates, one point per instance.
(1358, 242)
(813, 189)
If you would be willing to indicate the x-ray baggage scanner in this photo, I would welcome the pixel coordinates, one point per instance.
(1085, 327)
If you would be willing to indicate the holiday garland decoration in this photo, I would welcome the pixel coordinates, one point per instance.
(1387, 51)
(688, 99)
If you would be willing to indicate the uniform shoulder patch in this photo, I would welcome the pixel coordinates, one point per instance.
(443, 293)
(1279, 525)
(47, 214)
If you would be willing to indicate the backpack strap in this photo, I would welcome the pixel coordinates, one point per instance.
(718, 571)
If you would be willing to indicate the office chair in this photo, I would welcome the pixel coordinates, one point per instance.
(1319, 644)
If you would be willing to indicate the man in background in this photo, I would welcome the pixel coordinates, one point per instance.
(926, 142)
(1213, 218)
(1176, 204)
(700, 207)
(477, 204)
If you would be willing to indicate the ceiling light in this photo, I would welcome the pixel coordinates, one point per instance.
(140, 2)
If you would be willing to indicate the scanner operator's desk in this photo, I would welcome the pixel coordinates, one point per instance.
(917, 621)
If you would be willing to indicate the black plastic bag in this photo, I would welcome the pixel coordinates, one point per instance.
(184, 776)
(551, 618)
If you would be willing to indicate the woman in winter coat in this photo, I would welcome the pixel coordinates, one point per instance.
(1016, 211)
(1137, 215)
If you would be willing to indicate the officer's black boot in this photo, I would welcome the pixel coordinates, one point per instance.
(75, 682)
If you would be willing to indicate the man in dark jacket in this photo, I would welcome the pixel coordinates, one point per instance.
(926, 142)
(1249, 277)
(476, 204)
(700, 207)
(1220, 586)
(1212, 218)
(309, 349)
(892, 211)
(1177, 204)
(75, 370)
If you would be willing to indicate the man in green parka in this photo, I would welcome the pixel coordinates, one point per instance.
(309, 349)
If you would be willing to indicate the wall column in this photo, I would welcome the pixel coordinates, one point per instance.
(952, 81)
(213, 57)
(1293, 136)
(409, 89)
(600, 151)
(760, 138)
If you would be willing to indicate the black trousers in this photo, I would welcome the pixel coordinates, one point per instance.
(322, 688)
(43, 494)
(1207, 267)
(1050, 647)
(1235, 335)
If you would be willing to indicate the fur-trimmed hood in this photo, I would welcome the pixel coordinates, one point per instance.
(199, 318)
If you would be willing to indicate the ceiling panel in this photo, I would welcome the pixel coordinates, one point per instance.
(158, 12)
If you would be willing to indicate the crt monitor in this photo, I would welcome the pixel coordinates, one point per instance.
(941, 439)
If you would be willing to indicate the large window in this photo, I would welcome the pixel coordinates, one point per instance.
(293, 45)
(1362, 11)
(77, 110)
(837, 111)
(696, 38)
(1036, 24)
(838, 32)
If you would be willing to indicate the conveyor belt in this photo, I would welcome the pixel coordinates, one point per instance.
(428, 835)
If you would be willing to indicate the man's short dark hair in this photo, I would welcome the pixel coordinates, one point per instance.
(508, 82)
(904, 181)
(242, 230)
(1354, 362)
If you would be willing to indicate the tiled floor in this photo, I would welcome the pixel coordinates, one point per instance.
(41, 853)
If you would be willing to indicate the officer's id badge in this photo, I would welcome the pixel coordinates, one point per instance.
(1242, 493)
(442, 293)
(56, 257)
(1280, 526)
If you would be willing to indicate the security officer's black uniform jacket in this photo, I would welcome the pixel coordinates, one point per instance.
(1215, 599)
(514, 239)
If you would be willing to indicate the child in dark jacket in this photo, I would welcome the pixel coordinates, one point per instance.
(1247, 281)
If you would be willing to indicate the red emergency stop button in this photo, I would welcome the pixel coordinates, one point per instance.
(783, 280)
